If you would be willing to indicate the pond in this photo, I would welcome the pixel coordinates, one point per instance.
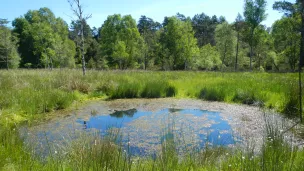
(145, 130)
(147, 123)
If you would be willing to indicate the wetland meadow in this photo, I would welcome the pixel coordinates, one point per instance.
(149, 120)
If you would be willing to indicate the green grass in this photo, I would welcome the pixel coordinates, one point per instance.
(24, 94)
(27, 95)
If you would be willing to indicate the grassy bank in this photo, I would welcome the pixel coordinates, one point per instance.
(27, 95)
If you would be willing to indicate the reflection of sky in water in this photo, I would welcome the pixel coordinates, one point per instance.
(117, 119)
(143, 129)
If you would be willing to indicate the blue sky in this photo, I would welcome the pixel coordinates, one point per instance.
(155, 9)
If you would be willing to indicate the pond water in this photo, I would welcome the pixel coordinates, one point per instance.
(144, 131)
(146, 123)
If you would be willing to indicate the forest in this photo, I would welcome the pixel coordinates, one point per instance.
(39, 39)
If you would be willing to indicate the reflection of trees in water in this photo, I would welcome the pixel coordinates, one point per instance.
(172, 110)
(120, 114)
(85, 125)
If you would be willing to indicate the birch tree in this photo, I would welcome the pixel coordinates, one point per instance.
(78, 11)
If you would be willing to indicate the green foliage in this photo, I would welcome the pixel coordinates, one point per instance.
(209, 58)
(178, 39)
(255, 12)
(287, 40)
(120, 54)
(149, 31)
(121, 39)
(43, 40)
(204, 28)
(225, 43)
(9, 57)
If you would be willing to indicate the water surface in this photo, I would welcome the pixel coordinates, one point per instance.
(145, 130)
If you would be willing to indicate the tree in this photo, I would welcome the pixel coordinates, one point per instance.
(178, 39)
(43, 43)
(204, 27)
(225, 43)
(254, 13)
(291, 10)
(79, 13)
(124, 29)
(64, 53)
(287, 40)
(190, 49)
(91, 48)
(9, 57)
(209, 58)
(147, 29)
(263, 44)
(180, 16)
(238, 26)
(294, 10)
(39, 34)
(147, 25)
(120, 54)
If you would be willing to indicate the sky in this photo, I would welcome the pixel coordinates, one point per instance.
(155, 9)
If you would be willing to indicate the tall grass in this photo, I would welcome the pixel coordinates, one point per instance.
(26, 95)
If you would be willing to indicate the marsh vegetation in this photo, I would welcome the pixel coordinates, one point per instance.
(28, 96)
(185, 64)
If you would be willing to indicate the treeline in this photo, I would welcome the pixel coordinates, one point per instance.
(41, 40)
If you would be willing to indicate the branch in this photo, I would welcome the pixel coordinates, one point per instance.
(283, 6)
(78, 10)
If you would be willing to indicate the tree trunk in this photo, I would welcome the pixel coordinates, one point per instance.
(259, 62)
(251, 48)
(6, 50)
(51, 61)
(82, 49)
(237, 51)
(7, 67)
(145, 65)
(277, 68)
(223, 61)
